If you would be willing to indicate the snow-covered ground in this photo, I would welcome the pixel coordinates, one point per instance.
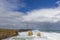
(44, 36)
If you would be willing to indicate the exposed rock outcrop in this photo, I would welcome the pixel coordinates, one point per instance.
(5, 33)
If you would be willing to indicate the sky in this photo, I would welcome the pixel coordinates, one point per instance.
(21, 14)
(38, 4)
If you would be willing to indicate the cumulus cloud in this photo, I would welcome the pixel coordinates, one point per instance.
(11, 4)
(35, 19)
(43, 19)
(9, 17)
(44, 15)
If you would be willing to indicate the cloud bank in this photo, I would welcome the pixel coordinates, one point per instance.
(9, 17)
(44, 15)
(42, 19)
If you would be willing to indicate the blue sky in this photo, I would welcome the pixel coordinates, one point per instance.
(38, 4)
(33, 4)
(25, 13)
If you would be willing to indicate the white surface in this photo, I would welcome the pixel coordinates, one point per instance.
(44, 36)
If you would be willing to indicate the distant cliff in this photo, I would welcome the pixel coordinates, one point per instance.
(5, 33)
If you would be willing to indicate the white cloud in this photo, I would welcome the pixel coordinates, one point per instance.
(11, 4)
(8, 17)
(34, 19)
(58, 2)
(44, 15)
